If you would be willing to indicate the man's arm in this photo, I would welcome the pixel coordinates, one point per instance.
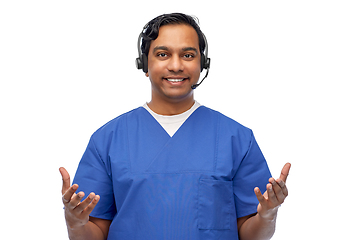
(90, 231)
(79, 224)
(261, 226)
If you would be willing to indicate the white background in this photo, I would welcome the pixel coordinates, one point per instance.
(289, 70)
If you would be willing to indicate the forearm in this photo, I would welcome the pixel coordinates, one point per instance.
(257, 228)
(89, 231)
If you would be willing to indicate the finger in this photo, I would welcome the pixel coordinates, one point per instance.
(285, 191)
(69, 193)
(91, 206)
(271, 193)
(75, 200)
(281, 182)
(259, 196)
(81, 206)
(283, 186)
(279, 194)
(66, 180)
(285, 172)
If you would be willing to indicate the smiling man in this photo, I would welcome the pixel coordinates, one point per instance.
(173, 169)
(173, 67)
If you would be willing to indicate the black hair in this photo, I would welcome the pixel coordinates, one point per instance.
(151, 29)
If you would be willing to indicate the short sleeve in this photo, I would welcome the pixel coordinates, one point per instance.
(93, 175)
(253, 172)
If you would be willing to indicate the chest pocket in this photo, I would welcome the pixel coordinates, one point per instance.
(215, 204)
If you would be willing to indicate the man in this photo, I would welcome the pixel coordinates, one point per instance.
(173, 169)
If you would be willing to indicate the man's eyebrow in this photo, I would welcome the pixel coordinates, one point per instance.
(190, 49)
(160, 48)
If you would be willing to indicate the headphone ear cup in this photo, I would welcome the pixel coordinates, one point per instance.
(144, 63)
(138, 63)
(205, 62)
(202, 62)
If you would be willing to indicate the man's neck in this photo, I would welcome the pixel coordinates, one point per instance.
(170, 108)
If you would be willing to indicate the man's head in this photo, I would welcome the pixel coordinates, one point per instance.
(172, 49)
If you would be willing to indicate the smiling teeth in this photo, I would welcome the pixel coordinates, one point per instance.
(175, 80)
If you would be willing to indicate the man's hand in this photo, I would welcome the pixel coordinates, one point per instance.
(76, 212)
(274, 196)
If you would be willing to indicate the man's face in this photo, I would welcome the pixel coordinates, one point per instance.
(174, 63)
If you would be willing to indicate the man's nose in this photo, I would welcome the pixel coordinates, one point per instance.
(175, 64)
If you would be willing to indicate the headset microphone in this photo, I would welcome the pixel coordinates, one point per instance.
(207, 72)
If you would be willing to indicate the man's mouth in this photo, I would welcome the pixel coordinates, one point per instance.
(175, 79)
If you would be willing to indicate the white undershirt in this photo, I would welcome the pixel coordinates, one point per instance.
(172, 123)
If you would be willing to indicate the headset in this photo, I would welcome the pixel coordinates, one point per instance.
(142, 62)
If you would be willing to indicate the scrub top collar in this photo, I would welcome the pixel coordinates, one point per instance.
(172, 123)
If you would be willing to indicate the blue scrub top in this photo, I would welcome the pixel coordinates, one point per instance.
(193, 185)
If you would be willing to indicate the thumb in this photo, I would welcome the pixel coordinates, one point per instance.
(285, 172)
(66, 180)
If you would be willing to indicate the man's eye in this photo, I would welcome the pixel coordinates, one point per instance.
(188, 56)
(162, 55)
